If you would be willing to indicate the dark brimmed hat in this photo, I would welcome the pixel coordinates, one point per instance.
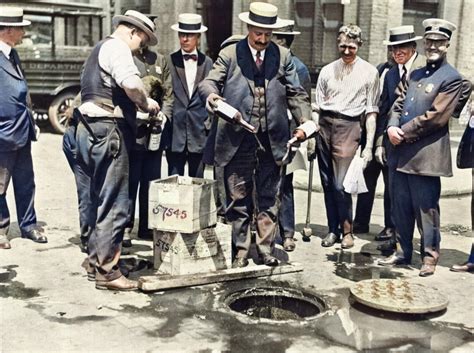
(140, 21)
(400, 35)
(262, 15)
(288, 30)
(12, 16)
(189, 23)
(439, 26)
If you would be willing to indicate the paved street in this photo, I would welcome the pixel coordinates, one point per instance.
(47, 304)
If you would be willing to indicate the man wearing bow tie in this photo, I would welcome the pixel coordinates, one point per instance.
(17, 130)
(189, 67)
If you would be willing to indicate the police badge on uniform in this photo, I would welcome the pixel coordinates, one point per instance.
(429, 87)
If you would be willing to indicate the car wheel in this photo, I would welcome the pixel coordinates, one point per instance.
(57, 111)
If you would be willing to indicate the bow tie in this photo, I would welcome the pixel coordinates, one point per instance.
(190, 56)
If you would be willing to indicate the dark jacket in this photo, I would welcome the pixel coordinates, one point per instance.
(423, 113)
(232, 77)
(16, 121)
(189, 114)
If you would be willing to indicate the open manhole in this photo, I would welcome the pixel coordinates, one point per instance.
(279, 304)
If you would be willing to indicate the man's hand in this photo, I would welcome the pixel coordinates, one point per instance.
(380, 155)
(152, 106)
(366, 156)
(395, 135)
(299, 135)
(211, 102)
(311, 149)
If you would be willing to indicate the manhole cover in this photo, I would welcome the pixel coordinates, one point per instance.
(275, 303)
(399, 296)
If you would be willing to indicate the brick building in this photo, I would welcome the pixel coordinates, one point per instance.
(318, 21)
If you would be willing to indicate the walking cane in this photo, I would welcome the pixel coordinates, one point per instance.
(307, 229)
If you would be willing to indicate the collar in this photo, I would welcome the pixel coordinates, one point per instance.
(5, 48)
(254, 52)
(193, 52)
(433, 66)
(352, 63)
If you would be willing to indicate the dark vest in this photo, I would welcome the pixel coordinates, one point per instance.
(93, 88)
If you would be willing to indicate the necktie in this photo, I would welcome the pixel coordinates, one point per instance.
(193, 57)
(13, 59)
(404, 76)
(258, 60)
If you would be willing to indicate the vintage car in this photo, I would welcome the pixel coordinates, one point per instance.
(55, 46)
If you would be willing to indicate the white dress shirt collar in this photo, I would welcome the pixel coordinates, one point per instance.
(254, 52)
(408, 65)
(5, 49)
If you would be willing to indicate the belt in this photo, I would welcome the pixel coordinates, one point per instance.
(337, 115)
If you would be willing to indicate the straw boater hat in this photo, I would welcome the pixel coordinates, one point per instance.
(400, 35)
(189, 23)
(288, 29)
(140, 21)
(262, 15)
(438, 26)
(12, 16)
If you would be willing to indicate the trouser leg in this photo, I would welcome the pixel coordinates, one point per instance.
(426, 192)
(107, 161)
(238, 176)
(365, 201)
(327, 178)
(136, 167)
(195, 165)
(287, 209)
(387, 203)
(23, 180)
(151, 170)
(7, 160)
(403, 214)
(177, 161)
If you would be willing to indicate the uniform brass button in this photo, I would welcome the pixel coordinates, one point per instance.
(419, 85)
(406, 113)
(412, 99)
(427, 72)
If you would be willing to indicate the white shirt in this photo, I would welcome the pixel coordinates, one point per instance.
(115, 58)
(350, 89)
(254, 52)
(408, 65)
(5, 49)
(190, 69)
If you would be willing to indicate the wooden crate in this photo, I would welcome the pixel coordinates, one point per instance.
(182, 204)
(205, 251)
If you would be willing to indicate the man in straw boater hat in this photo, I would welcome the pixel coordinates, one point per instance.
(111, 91)
(347, 94)
(418, 127)
(285, 36)
(17, 130)
(247, 75)
(402, 47)
(188, 67)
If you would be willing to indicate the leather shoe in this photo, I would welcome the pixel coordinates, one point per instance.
(127, 239)
(119, 284)
(329, 240)
(385, 234)
(289, 244)
(387, 246)
(358, 228)
(240, 262)
(35, 235)
(269, 260)
(347, 241)
(429, 266)
(393, 260)
(465, 267)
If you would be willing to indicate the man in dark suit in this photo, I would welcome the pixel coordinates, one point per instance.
(418, 128)
(258, 78)
(402, 45)
(188, 67)
(17, 130)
